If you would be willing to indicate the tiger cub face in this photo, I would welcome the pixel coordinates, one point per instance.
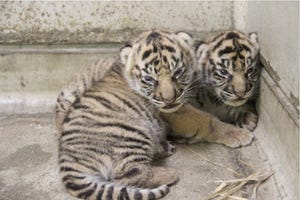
(229, 64)
(159, 65)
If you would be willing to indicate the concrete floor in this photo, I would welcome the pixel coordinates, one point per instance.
(28, 163)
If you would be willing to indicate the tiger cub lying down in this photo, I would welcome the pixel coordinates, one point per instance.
(228, 69)
(109, 125)
(108, 121)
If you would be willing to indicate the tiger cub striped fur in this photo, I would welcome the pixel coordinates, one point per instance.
(228, 68)
(108, 122)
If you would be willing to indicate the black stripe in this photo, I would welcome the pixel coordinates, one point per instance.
(132, 172)
(126, 102)
(211, 62)
(137, 195)
(77, 159)
(170, 40)
(80, 106)
(69, 176)
(137, 160)
(174, 59)
(109, 193)
(127, 138)
(169, 48)
(137, 146)
(151, 61)
(95, 150)
(75, 187)
(246, 48)
(95, 114)
(146, 54)
(146, 69)
(106, 103)
(161, 192)
(165, 59)
(124, 194)
(241, 56)
(145, 111)
(62, 106)
(116, 69)
(232, 35)
(69, 132)
(123, 126)
(151, 196)
(131, 139)
(218, 36)
(87, 193)
(153, 36)
(226, 51)
(145, 83)
(83, 154)
(218, 44)
(66, 119)
(69, 169)
(154, 48)
(100, 193)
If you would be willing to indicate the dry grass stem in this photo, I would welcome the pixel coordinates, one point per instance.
(227, 188)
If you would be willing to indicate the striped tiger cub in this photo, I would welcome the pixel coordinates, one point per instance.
(108, 123)
(228, 68)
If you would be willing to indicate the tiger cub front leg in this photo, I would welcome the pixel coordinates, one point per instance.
(195, 125)
(248, 119)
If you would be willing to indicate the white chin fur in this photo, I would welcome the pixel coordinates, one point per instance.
(170, 110)
(235, 103)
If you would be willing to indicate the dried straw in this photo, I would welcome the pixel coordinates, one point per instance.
(227, 188)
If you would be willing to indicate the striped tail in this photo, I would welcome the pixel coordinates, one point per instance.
(97, 190)
(77, 86)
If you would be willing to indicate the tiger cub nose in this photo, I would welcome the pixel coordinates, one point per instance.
(240, 93)
(168, 99)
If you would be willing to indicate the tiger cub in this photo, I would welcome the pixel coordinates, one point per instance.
(108, 123)
(228, 68)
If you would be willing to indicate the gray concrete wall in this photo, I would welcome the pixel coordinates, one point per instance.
(98, 22)
(277, 25)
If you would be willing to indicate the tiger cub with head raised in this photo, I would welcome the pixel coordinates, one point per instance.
(108, 121)
(228, 70)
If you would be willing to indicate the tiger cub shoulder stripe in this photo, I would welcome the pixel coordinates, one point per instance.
(228, 69)
(109, 126)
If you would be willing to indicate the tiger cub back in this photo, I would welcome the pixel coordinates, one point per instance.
(228, 69)
(75, 87)
(110, 130)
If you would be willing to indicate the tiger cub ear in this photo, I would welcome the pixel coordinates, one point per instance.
(253, 37)
(200, 46)
(124, 53)
(186, 37)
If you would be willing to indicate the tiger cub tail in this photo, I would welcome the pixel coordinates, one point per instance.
(77, 86)
(93, 188)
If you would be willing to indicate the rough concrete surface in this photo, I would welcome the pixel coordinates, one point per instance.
(81, 22)
(28, 169)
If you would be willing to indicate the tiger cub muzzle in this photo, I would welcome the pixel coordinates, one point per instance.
(168, 97)
(237, 91)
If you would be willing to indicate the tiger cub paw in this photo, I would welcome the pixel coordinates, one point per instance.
(237, 137)
(229, 135)
(168, 149)
(248, 121)
(171, 149)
